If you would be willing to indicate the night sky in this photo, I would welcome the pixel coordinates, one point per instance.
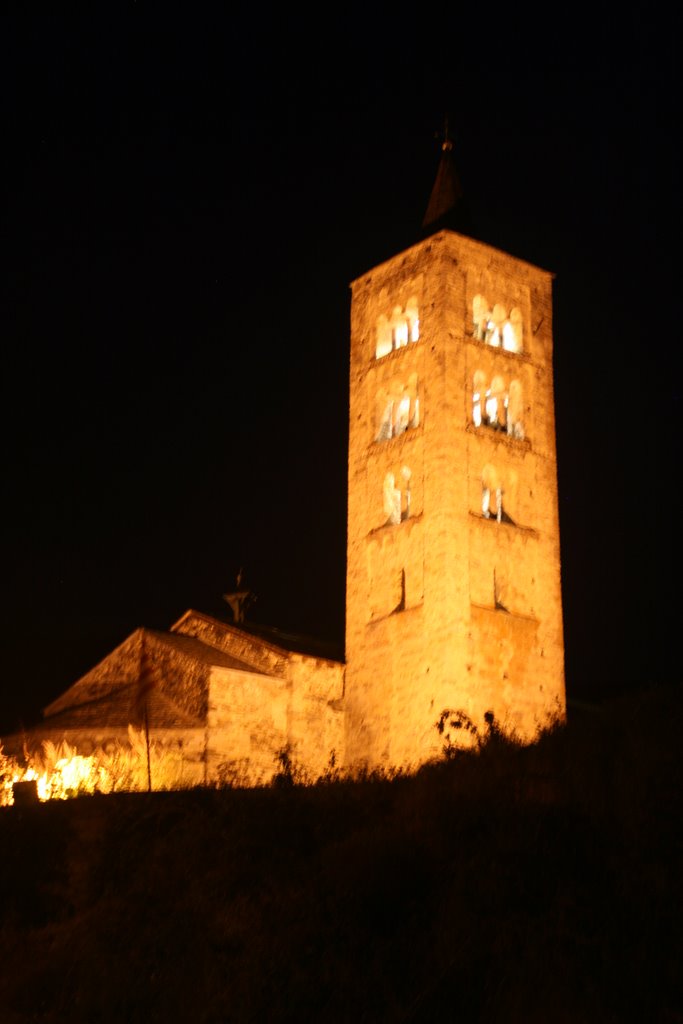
(186, 198)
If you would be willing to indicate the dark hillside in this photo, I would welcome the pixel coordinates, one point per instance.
(535, 885)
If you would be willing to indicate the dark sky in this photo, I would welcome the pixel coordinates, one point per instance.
(186, 198)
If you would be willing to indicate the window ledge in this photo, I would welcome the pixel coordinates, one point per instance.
(500, 437)
(503, 611)
(375, 621)
(391, 442)
(480, 343)
(395, 353)
(529, 530)
(396, 526)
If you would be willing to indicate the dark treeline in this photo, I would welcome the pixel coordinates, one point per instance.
(510, 884)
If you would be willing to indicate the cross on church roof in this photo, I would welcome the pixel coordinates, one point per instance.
(240, 599)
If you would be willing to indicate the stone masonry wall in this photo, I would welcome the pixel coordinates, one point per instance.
(454, 637)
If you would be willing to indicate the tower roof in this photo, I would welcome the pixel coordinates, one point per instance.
(447, 189)
(447, 207)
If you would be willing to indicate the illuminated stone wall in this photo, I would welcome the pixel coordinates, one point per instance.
(295, 703)
(224, 701)
(453, 560)
(448, 608)
(254, 718)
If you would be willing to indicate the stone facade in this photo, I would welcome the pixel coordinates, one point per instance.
(294, 701)
(224, 702)
(452, 602)
(453, 560)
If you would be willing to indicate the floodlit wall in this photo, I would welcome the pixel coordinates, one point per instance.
(295, 704)
(255, 718)
(231, 725)
(454, 601)
(453, 556)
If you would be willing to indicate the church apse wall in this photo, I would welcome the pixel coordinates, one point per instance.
(295, 704)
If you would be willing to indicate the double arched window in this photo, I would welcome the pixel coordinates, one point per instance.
(398, 408)
(497, 325)
(496, 487)
(497, 404)
(398, 330)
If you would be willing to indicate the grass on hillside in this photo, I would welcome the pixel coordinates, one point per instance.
(531, 884)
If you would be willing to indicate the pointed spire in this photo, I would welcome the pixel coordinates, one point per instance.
(445, 207)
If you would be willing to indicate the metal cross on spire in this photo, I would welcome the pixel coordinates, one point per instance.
(447, 191)
(447, 144)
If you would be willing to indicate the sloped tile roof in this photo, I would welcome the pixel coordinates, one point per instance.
(117, 710)
(183, 664)
(268, 638)
(194, 648)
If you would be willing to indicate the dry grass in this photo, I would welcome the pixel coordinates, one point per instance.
(504, 884)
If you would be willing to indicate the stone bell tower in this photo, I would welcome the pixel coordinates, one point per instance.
(453, 559)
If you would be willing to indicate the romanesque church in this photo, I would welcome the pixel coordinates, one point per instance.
(453, 597)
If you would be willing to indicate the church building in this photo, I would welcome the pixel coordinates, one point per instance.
(453, 596)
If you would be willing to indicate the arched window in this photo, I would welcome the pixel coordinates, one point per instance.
(399, 328)
(494, 334)
(480, 317)
(515, 410)
(513, 334)
(392, 500)
(398, 408)
(497, 327)
(497, 405)
(385, 415)
(396, 493)
(479, 389)
(413, 320)
(383, 346)
(399, 331)
(493, 494)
